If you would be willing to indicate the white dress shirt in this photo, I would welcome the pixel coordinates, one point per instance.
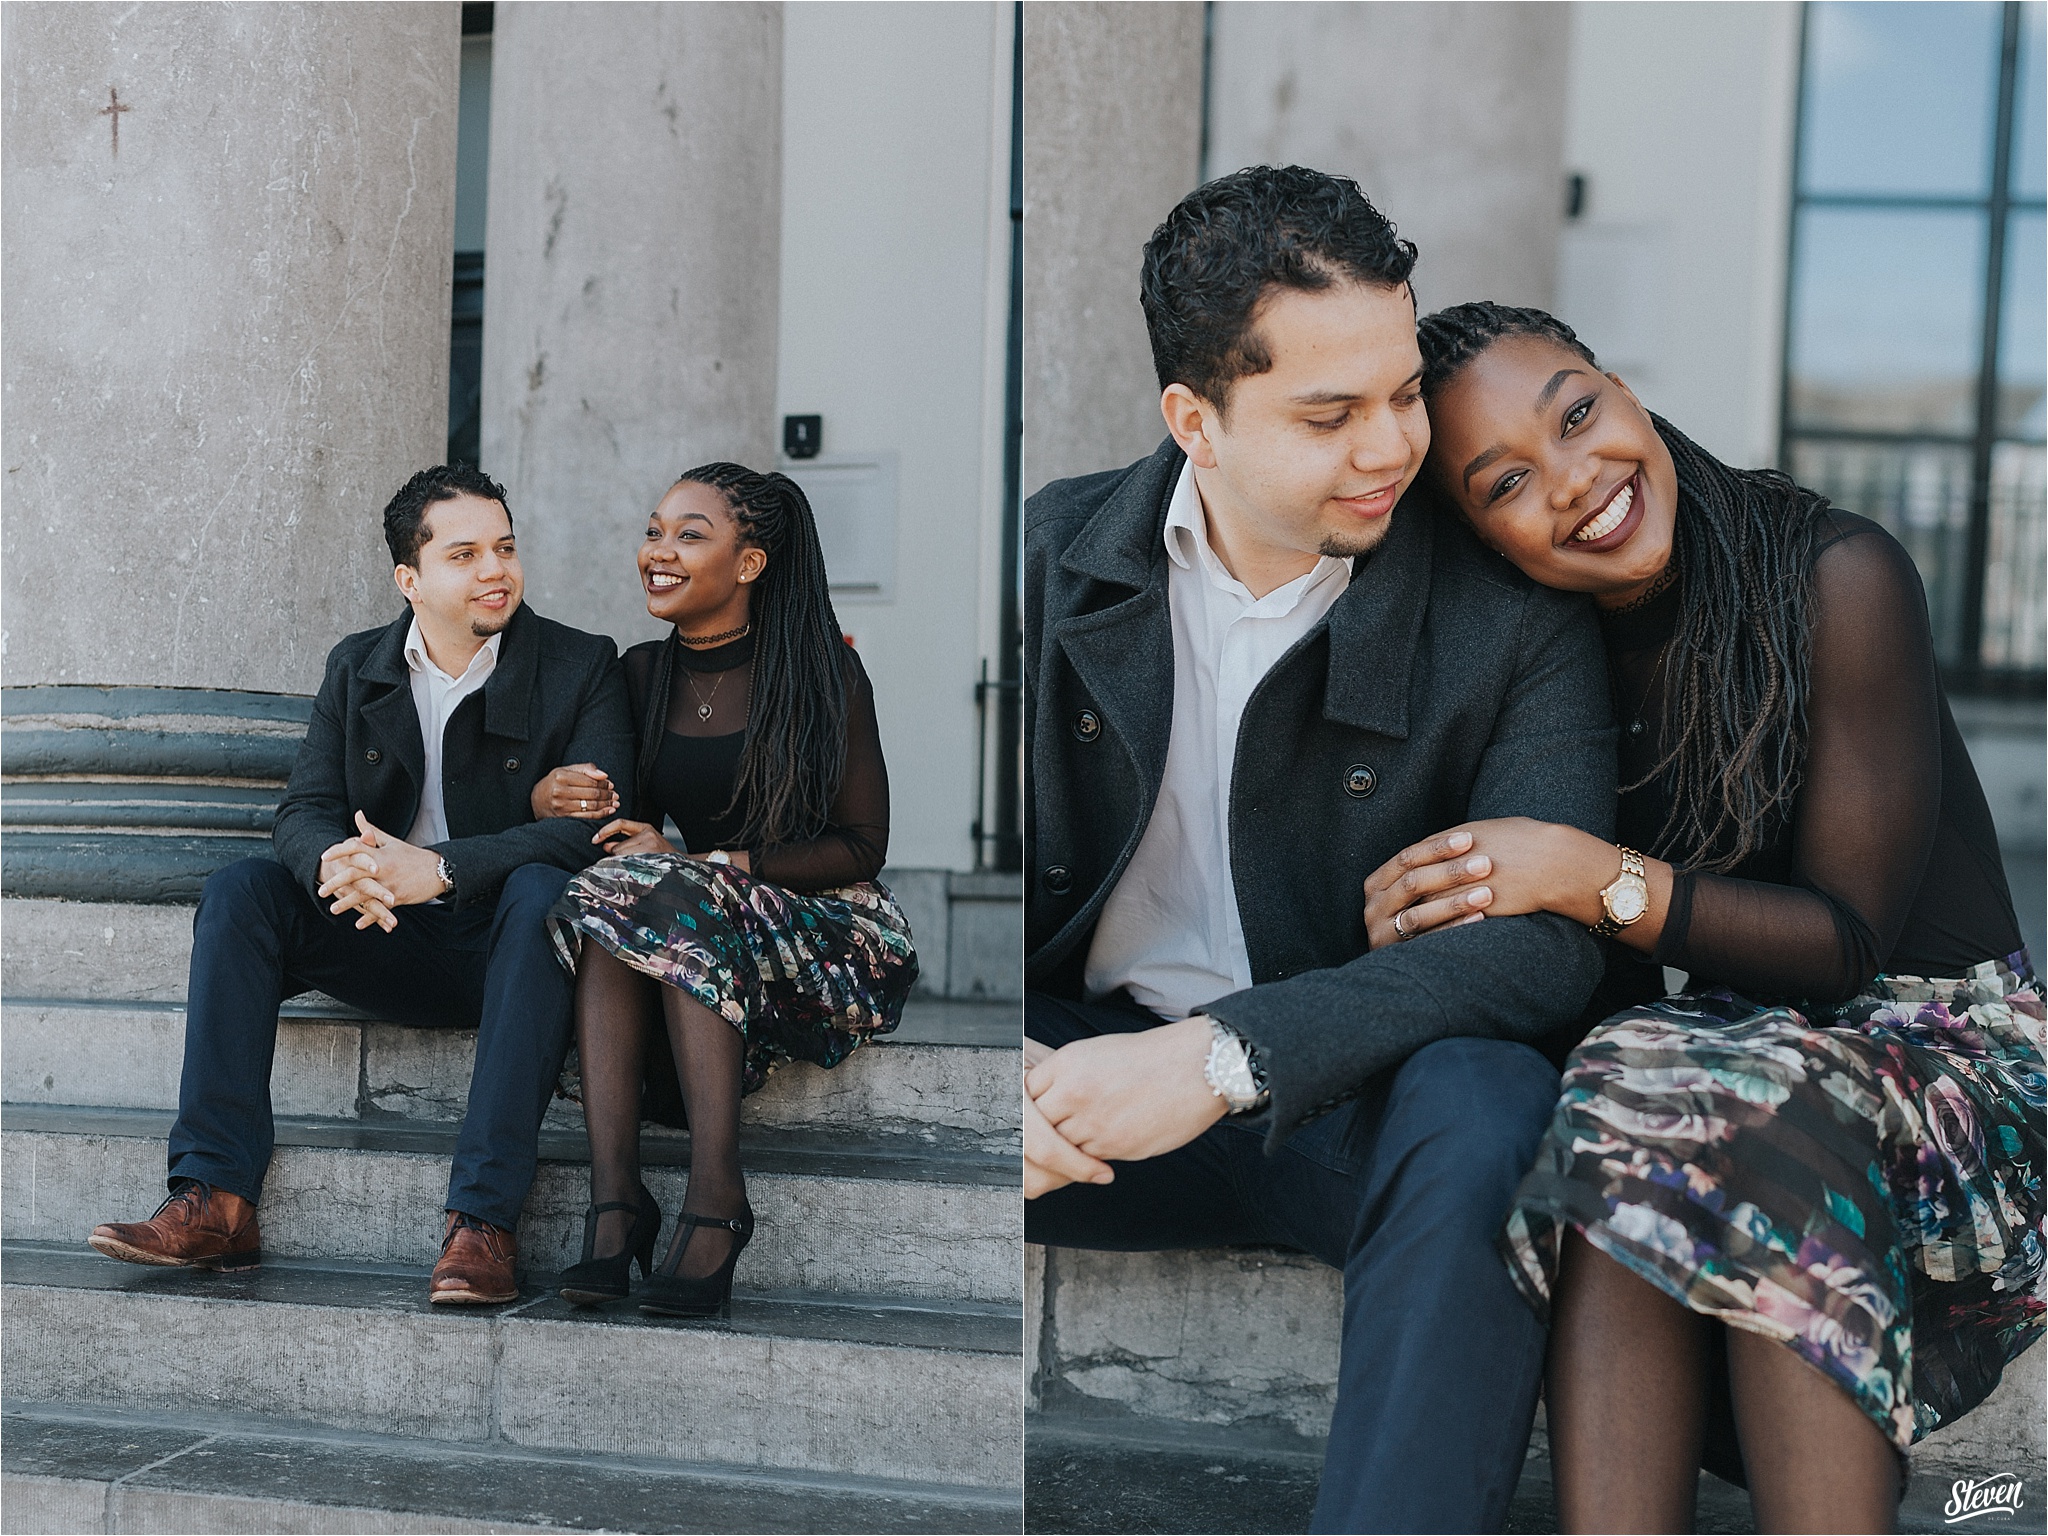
(435, 695)
(1170, 931)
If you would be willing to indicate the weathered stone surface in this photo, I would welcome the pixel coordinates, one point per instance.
(52, 1504)
(1210, 1338)
(616, 129)
(402, 1373)
(1113, 99)
(132, 1058)
(917, 1395)
(1241, 1337)
(244, 328)
(825, 1406)
(984, 955)
(818, 1230)
(87, 949)
(1471, 105)
(2006, 1433)
(243, 1473)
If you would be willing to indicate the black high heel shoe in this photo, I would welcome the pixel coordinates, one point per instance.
(669, 1294)
(594, 1280)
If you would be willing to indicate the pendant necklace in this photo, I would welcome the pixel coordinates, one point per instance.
(1636, 726)
(704, 704)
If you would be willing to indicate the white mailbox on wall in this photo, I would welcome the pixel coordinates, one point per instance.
(853, 496)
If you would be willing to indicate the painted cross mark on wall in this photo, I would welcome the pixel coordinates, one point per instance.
(112, 111)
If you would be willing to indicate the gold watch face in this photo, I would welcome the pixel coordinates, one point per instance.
(1627, 899)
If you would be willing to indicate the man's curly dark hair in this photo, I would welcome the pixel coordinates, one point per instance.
(1232, 240)
(405, 517)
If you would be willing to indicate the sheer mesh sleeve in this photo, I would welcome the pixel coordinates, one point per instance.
(1867, 811)
(856, 838)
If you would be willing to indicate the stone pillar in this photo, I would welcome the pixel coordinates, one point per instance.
(1112, 140)
(630, 278)
(1451, 116)
(225, 296)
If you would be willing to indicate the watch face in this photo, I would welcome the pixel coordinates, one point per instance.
(1628, 900)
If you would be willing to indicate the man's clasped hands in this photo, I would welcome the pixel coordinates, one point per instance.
(373, 872)
(1113, 1098)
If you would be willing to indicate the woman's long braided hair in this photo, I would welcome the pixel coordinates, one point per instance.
(1740, 662)
(795, 755)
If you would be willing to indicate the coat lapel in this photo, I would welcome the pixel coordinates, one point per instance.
(508, 691)
(1376, 626)
(1123, 653)
(390, 718)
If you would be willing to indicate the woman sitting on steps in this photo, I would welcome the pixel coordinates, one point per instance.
(767, 935)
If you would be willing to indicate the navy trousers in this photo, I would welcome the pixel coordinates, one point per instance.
(1402, 1190)
(260, 937)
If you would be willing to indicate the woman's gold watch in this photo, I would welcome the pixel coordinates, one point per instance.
(1627, 898)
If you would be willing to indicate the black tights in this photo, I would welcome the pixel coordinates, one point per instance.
(1627, 1393)
(614, 1011)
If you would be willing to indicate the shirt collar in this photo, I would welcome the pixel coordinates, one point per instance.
(1187, 545)
(417, 659)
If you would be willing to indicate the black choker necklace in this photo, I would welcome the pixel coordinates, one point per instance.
(1656, 589)
(731, 634)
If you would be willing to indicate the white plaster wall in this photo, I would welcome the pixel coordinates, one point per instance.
(1680, 115)
(895, 266)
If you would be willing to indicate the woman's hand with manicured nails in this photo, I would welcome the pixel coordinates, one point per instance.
(1503, 868)
(623, 836)
(582, 790)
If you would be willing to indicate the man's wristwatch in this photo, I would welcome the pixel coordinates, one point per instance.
(445, 873)
(1627, 898)
(1233, 1071)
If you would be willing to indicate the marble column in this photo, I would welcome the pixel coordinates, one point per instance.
(630, 278)
(1451, 116)
(1112, 140)
(226, 235)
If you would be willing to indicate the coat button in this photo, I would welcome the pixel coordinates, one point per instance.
(373, 756)
(511, 765)
(1087, 725)
(1360, 781)
(1059, 879)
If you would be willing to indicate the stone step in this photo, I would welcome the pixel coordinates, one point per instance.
(70, 1469)
(1248, 1339)
(849, 1387)
(896, 1215)
(930, 1074)
(968, 929)
(1081, 1474)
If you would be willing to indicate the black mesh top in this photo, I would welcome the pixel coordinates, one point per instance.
(705, 728)
(1889, 861)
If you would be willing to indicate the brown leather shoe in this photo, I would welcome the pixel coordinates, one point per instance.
(475, 1268)
(198, 1227)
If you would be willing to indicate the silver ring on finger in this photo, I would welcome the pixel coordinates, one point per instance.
(1399, 931)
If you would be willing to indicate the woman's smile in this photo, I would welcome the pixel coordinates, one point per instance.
(1615, 521)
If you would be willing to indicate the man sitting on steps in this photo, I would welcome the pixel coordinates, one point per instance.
(439, 724)
(1258, 670)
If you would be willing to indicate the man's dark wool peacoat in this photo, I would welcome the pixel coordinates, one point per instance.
(556, 696)
(1443, 686)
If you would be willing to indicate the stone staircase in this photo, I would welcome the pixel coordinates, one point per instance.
(1225, 1363)
(868, 1378)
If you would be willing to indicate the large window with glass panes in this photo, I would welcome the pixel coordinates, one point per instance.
(1914, 346)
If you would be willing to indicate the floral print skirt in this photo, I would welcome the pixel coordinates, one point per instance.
(802, 977)
(1862, 1184)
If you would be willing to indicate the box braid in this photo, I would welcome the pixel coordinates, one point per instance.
(1734, 723)
(795, 754)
